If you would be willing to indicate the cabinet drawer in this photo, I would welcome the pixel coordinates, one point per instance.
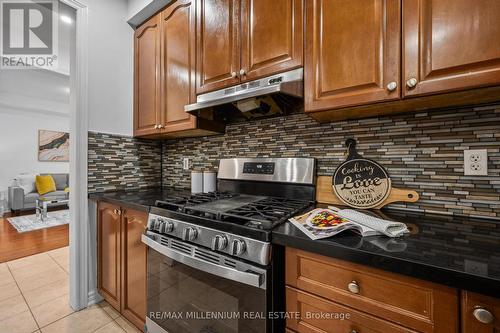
(421, 305)
(480, 314)
(316, 314)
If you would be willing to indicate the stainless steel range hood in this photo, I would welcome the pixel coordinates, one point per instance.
(255, 98)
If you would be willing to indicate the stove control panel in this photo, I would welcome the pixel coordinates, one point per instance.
(259, 168)
(212, 239)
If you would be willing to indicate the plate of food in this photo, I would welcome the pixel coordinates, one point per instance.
(324, 219)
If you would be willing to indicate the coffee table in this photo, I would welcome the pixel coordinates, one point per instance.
(42, 203)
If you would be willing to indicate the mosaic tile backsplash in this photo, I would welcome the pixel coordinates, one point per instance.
(422, 151)
(120, 162)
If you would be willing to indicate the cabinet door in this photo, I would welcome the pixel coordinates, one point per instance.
(218, 50)
(178, 65)
(352, 53)
(108, 253)
(475, 307)
(134, 266)
(147, 78)
(450, 45)
(271, 37)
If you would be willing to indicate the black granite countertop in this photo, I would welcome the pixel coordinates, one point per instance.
(455, 251)
(138, 199)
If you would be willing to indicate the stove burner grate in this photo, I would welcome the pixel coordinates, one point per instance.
(262, 214)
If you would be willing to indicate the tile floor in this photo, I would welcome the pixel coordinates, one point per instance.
(34, 297)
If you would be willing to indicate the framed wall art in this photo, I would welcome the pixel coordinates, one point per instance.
(53, 146)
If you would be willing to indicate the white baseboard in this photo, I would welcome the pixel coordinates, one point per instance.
(94, 298)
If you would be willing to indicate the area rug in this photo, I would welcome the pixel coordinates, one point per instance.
(30, 222)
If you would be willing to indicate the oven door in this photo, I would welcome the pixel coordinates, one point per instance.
(192, 289)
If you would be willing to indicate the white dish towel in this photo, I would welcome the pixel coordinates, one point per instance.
(388, 228)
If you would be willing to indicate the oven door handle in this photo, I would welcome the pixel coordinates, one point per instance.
(251, 278)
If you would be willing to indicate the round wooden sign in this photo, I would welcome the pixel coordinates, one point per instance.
(360, 182)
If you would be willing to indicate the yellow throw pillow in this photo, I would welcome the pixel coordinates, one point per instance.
(45, 184)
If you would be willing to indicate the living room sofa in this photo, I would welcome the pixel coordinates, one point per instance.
(19, 200)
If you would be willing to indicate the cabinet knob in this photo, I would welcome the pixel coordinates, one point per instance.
(242, 72)
(353, 287)
(483, 315)
(233, 74)
(156, 126)
(354, 331)
(160, 126)
(411, 83)
(391, 86)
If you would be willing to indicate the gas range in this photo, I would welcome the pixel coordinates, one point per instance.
(231, 223)
(214, 249)
(255, 196)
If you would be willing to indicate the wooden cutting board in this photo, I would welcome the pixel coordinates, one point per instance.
(324, 194)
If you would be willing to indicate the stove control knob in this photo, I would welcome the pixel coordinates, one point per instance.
(158, 224)
(189, 234)
(155, 224)
(151, 223)
(238, 247)
(161, 227)
(219, 243)
(169, 226)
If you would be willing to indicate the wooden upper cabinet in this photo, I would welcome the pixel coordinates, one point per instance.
(450, 45)
(218, 50)
(352, 53)
(271, 37)
(147, 77)
(109, 253)
(178, 65)
(134, 266)
(480, 314)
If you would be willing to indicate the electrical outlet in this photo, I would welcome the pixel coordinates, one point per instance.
(186, 163)
(476, 162)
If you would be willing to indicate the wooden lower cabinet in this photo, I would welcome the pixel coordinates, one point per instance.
(109, 253)
(320, 315)
(480, 314)
(121, 260)
(377, 300)
(134, 262)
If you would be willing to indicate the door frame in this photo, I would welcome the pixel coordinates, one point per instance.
(79, 224)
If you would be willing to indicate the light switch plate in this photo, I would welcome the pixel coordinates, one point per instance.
(476, 162)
